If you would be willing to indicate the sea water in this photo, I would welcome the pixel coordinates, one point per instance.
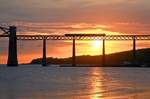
(54, 82)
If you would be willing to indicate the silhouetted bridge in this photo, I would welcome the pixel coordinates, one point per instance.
(12, 55)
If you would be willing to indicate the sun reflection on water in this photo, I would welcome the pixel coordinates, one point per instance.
(96, 84)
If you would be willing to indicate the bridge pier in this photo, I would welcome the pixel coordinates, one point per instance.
(44, 53)
(73, 53)
(134, 49)
(12, 53)
(103, 56)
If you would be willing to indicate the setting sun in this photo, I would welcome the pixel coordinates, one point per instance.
(97, 44)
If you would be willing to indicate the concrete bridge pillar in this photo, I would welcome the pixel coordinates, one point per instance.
(12, 51)
(103, 56)
(134, 49)
(44, 53)
(73, 53)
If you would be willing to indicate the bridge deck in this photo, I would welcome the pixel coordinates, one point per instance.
(81, 37)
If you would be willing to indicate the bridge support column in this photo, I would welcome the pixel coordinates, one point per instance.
(103, 56)
(134, 49)
(12, 53)
(44, 53)
(73, 53)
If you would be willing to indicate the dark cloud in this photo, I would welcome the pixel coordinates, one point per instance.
(107, 11)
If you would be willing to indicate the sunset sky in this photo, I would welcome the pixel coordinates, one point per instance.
(73, 16)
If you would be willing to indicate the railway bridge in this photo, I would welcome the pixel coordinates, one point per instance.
(11, 33)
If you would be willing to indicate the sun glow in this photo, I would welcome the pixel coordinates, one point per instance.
(97, 44)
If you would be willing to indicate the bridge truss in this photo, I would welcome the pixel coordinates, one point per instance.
(11, 34)
(81, 37)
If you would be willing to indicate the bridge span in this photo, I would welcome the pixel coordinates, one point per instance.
(10, 33)
(81, 37)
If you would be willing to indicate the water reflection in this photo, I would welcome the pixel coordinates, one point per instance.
(36, 82)
(96, 83)
(106, 85)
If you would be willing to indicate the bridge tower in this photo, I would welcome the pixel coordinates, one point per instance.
(12, 51)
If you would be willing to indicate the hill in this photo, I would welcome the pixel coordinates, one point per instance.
(120, 58)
